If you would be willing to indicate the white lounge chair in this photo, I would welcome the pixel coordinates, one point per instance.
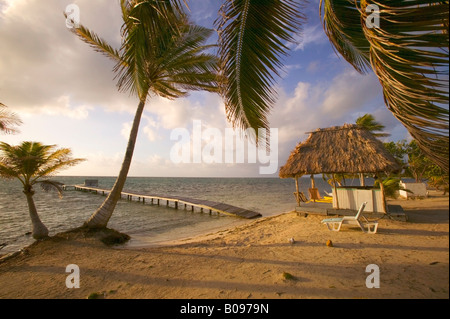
(335, 224)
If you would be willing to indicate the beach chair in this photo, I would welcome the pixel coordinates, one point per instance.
(314, 194)
(335, 224)
(300, 197)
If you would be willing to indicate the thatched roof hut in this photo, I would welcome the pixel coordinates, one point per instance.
(338, 150)
(349, 149)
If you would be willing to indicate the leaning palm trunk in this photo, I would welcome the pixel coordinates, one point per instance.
(101, 217)
(161, 53)
(39, 230)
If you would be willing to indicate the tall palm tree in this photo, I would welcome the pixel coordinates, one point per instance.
(161, 54)
(368, 122)
(408, 52)
(31, 163)
(8, 120)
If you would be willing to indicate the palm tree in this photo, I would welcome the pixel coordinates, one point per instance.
(408, 52)
(369, 123)
(31, 162)
(161, 54)
(8, 120)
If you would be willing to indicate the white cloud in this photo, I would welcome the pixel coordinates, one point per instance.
(321, 105)
(49, 63)
(349, 91)
(97, 164)
(126, 130)
(180, 113)
(312, 34)
(150, 133)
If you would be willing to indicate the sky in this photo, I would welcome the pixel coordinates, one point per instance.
(66, 95)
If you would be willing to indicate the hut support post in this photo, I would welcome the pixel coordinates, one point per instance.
(297, 195)
(383, 196)
(313, 182)
(335, 191)
(362, 180)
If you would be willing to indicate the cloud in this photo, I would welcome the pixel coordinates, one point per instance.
(293, 67)
(311, 106)
(180, 113)
(49, 67)
(312, 34)
(126, 130)
(313, 66)
(348, 92)
(97, 164)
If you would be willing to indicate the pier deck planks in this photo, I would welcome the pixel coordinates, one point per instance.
(203, 204)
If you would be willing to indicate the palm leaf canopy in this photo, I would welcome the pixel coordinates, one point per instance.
(253, 38)
(161, 53)
(409, 54)
(31, 161)
(368, 122)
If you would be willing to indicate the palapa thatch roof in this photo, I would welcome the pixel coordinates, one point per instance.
(339, 150)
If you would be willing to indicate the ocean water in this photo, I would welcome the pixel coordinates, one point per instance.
(146, 224)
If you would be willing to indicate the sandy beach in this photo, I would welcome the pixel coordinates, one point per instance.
(252, 261)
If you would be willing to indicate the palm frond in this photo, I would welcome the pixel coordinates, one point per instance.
(342, 24)
(157, 13)
(6, 171)
(183, 65)
(368, 122)
(409, 54)
(97, 43)
(253, 36)
(145, 28)
(55, 161)
(30, 161)
(8, 120)
(49, 185)
(25, 159)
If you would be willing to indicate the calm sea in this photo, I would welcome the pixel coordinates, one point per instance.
(146, 224)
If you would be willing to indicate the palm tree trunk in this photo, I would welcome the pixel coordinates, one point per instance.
(39, 230)
(101, 217)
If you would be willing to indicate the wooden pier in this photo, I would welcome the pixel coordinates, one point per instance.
(177, 202)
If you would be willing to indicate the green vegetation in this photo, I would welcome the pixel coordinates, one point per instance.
(96, 295)
(115, 239)
(417, 165)
(288, 276)
(369, 123)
